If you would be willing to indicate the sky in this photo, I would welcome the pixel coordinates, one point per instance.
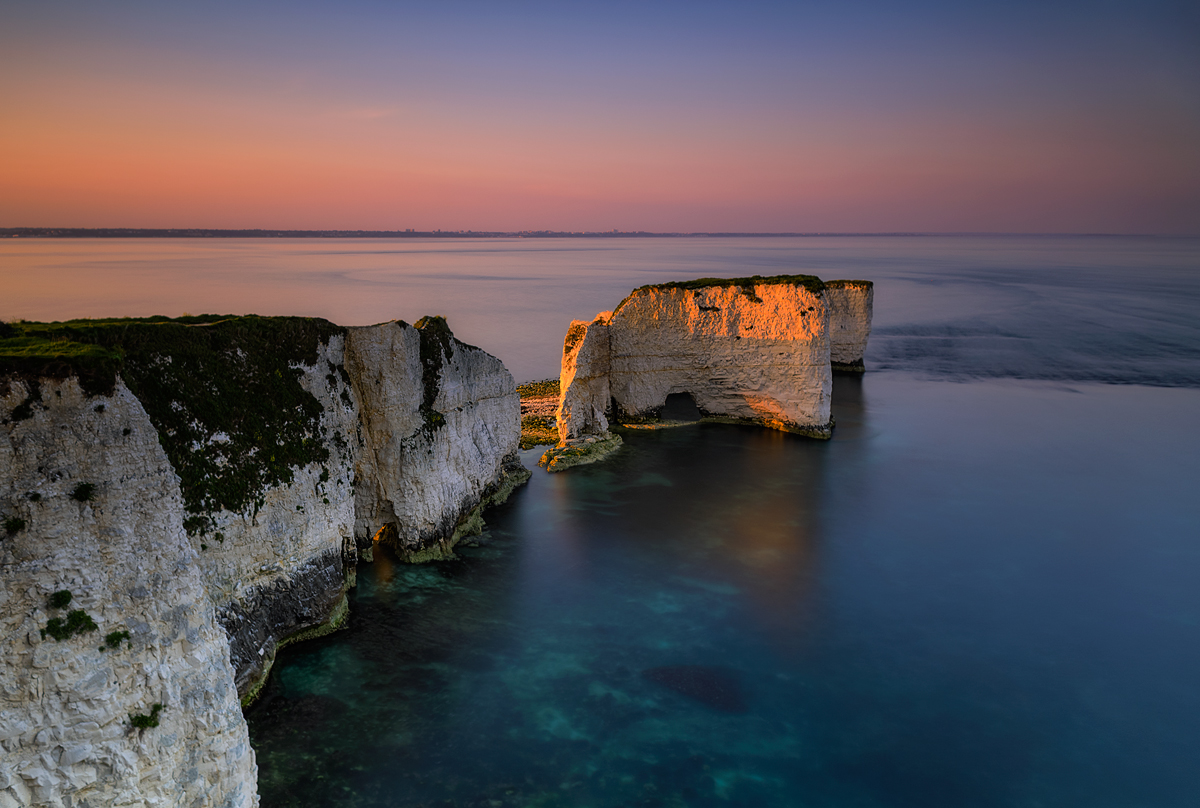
(667, 117)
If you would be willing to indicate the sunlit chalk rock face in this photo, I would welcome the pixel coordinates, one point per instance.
(67, 705)
(584, 379)
(850, 305)
(753, 350)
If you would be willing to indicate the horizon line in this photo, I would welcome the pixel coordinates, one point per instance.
(205, 232)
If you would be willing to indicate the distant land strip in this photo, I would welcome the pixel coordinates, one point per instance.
(199, 232)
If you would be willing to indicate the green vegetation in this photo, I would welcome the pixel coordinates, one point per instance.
(575, 333)
(437, 346)
(60, 599)
(13, 525)
(84, 492)
(848, 284)
(78, 621)
(543, 389)
(579, 452)
(538, 430)
(113, 640)
(810, 282)
(32, 353)
(223, 392)
(142, 721)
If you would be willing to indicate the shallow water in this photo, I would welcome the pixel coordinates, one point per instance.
(981, 592)
(965, 598)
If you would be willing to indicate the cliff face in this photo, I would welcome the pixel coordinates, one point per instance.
(584, 382)
(753, 353)
(121, 551)
(850, 307)
(234, 534)
(432, 452)
(280, 567)
(754, 350)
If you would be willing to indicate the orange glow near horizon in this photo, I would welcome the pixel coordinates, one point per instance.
(194, 146)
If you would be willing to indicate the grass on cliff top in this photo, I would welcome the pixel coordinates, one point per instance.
(810, 282)
(223, 392)
(542, 389)
(844, 284)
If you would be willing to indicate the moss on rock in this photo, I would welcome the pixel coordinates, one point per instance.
(223, 392)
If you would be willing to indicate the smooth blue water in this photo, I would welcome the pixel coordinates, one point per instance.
(982, 592)
(958, 601)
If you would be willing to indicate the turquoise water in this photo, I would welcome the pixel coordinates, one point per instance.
(982, 592)
(961, 600)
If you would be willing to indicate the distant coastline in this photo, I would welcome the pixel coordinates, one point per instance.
(198, 232)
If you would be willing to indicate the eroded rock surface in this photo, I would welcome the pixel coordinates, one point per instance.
(65, 716)
(433, 453)
(415, 434)
(850, 307)
(585, 396)
(754, 350)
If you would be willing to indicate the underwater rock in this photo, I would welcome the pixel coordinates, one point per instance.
(713, 687)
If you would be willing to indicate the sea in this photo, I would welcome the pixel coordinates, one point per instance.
(984, 591)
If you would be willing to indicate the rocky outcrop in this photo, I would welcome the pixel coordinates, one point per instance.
(216, 532)
(850, 305)
(119, 547)
(752, 350)
(585, 397)
(433, 452)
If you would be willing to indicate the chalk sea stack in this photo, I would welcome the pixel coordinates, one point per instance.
(757, 350)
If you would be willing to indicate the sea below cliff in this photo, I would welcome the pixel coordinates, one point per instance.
(981, 592)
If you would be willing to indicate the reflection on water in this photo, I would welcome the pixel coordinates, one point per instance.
(980, 593)
(1095, 308)
(921, 612)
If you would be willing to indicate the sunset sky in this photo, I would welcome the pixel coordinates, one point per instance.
(863, 117)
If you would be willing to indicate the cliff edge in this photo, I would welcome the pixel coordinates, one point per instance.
(202, 488)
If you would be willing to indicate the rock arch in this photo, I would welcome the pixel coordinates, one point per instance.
(754, 350)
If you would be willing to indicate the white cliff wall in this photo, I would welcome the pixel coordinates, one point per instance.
(435, 448)
(422, 433)
(851, 304)
(584, 380)
(65, 706)
(757, 353)
(279, 569)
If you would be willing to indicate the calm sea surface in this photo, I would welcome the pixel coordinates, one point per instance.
(984, 591)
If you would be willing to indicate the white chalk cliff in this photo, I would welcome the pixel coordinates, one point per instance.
(421, 432)
(754, 350)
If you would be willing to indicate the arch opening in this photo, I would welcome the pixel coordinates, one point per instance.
(680, 407)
